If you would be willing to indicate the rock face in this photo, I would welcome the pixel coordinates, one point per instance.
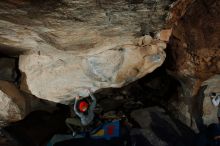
(195, 45)
(15, 105)
(190, 110)
(12, 103)
(197, 110)
(60, 77)
(159, 129)
(77, 26)
(194, 57)
(209, 110)
(67, 46)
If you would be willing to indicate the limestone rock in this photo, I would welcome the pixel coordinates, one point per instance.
(13, 104)
(209, 110)
(60, 77)
(76, 26)
(159, 129)
(67, 46)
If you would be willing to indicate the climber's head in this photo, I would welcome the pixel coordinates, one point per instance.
(83, 106)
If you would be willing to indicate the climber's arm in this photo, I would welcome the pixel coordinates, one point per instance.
(75, 108)
(93, 104)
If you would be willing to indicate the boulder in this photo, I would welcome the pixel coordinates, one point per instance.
(59, 77)
(209, 110)
(68, 46)
(194, 54)
(159, 129)
(13, 103)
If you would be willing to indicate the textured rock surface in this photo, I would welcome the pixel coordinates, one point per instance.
(177, 10)
(194, 111)
(209, 110)
(70, 45)
(160, 129)
(77, 26)
(190, 110)
(195, 45)
(15, 105)
(194, 57)
(60, 77)
(12, 103)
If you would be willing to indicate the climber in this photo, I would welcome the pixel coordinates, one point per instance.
(84, 110)
(215, 97)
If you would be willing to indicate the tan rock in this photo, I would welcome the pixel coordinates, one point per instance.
(12, 103)
(164, 35)
(69, 46)
(147, 40)
(209, 110)
(60, 77)
(213, 84)
(15, 105)
(56, 26)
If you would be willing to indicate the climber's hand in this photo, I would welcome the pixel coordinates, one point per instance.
(89, 90)
(77, 97)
